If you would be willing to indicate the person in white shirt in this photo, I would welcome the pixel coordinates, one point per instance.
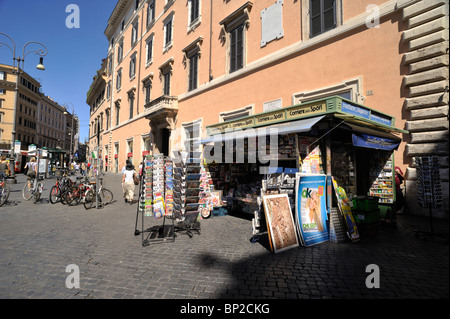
(128, 182)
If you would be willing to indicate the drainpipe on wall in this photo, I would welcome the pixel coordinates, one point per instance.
(210, 41)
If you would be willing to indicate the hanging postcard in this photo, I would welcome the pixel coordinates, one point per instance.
(346, 211)
(280, 224)
(311, 208)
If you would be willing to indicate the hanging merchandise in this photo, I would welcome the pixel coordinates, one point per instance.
(346, 211)
(148, 185)
(158, 186)
(169, 187)
(429, 193)
(312, 161)
(311, 209)
(152, 200)
(384, 185)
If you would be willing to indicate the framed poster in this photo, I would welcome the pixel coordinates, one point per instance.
(311, 208)
(280, 223)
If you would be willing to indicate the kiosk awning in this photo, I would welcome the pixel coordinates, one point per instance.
(299, 126)
(370, 141)
(370, 138)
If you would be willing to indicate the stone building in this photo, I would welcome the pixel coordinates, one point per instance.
(173, 68)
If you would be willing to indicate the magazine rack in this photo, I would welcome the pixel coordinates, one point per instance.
(186, 193)
(156, 233)
(429, 193)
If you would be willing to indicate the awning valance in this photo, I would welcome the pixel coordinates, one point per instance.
(299, 126)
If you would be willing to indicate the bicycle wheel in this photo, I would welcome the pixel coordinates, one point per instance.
(37, 193)
(4, 194)
(76, 195)
(73, 196)
(89, 199)
(62, 197)
(106, 196)
(67, 196)
(27, 192)
(55, 195)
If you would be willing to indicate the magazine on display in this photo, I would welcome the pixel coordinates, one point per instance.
(346, 211)
(311, 208)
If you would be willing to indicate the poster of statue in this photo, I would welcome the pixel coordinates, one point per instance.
(280, 222)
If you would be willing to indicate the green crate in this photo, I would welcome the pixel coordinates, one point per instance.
(365, 203)
(368, 230)
(364, 217)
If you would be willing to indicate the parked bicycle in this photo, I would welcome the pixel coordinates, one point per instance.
(74, 194)
(61, 185)
(33, 189)
(104, 195)
(4, 191)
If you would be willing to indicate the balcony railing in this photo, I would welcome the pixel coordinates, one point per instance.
(162, 104)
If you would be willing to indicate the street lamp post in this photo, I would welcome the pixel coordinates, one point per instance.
(41, 52)
(71, 130)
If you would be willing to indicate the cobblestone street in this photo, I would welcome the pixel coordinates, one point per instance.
(38, 241)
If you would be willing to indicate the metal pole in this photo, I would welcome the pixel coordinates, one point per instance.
(96, 187)
(12, 161)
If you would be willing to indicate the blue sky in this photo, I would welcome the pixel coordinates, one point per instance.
(74, 54)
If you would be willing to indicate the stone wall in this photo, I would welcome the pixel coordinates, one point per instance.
(427, 93)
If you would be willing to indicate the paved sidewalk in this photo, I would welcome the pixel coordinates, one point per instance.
(38, 241)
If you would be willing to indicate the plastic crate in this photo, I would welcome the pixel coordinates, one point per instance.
(365, 203)
(369, 230)
(364, 217)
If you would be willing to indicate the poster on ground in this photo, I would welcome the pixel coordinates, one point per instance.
(346, 211)
(280, 223)
(311, 208)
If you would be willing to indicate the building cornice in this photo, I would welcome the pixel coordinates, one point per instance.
(115, 15)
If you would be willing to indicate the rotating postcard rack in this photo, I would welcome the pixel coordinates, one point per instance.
(429, 192)
(186, 189)
(156, 198)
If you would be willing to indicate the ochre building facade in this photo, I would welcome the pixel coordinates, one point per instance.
(175, 67)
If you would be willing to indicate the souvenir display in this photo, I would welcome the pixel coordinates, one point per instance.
(429, 192)
(148, 185)
(158, 186)
(384, 185)
(169, 187)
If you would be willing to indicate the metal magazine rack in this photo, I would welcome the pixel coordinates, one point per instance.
(186, 189)
(168, 191)
(155, 186)
(429, 192)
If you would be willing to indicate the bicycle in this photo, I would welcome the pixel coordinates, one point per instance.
(4, 191)
(104, 195)
(61, 185)
(33, 190)
(73, 195)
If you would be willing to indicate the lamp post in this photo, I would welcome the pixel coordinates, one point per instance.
(71, 133)
(41, 52)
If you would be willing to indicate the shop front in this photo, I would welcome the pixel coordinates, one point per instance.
(265, 154)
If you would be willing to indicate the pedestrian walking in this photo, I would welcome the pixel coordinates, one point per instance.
(31, 168)
(4, 167)
(83, 169)
(128, 177)
(399, 178)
